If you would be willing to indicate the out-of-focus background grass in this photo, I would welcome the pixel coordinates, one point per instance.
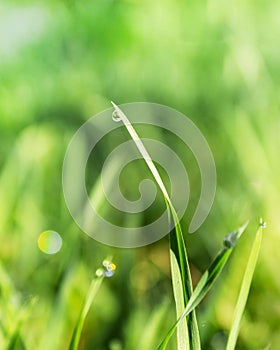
(63, 61)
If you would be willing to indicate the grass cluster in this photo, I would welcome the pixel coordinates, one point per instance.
(60, 62)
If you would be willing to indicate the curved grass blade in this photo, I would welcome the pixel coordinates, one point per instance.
(16, 342)
(182, 283)
(245, 288)
(94, 287)
(179, 260)
(207, 280)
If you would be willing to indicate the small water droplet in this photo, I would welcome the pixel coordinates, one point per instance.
(109, 273)
(111, 267)
(115, 116)
(105, 263)
(262, 223)
(107, 270)
(230, 240)
(100, 272)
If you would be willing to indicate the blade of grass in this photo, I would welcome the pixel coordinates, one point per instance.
(179, 260)
(182, 284)
(245, 288)
(94, 287)
(178, 292)
(187, 337)
(207, 280)
(16, 342)
(18, 313)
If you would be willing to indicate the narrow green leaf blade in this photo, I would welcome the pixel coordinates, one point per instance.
(182, 334)
(94, 287)
(207, 280)
(245, 288)
(178, 253)
(15, 338)
(16, 342)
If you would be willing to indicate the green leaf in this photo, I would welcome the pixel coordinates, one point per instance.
(16, 342)
(178, 257)
(245, 288)
(94, 287)
(178, 291)
(207, 280)
(15, 338)
(180, 272)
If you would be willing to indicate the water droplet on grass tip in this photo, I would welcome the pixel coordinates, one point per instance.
(115, 116)
(109, 273)
(262, 223)
(108, 269)
(99, 272)
(105, 263)
(230, 240)
(109, 265)
(49, 242)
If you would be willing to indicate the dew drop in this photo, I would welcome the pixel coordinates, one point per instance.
(106, 263)
(230, 240)
(100, 272)
(107, 270)
(111, 267)
(115, 116)
(109, 273)
(50, 242)
(262, 223)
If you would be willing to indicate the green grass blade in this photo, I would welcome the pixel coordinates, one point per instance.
(143, 151)
(182, 334)
(178, 257)
(182, 283)
(14, 334)
(245, 288)
(94, 287)
(15, 342)
(207, 280)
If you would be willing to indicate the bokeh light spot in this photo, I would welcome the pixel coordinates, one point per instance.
(50, 242)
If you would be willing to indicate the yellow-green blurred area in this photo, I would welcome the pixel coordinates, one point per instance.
(62, 62)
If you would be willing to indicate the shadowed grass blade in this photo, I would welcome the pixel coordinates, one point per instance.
(94, 287)
(178, 292)
(207, 280)
(16, 342)
(179, 261)
(181, 277)
(19, 313)
(245, 288)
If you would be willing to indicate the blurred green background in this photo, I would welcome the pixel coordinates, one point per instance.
(62, 62)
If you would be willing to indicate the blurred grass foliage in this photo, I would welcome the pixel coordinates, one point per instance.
(63, 61)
